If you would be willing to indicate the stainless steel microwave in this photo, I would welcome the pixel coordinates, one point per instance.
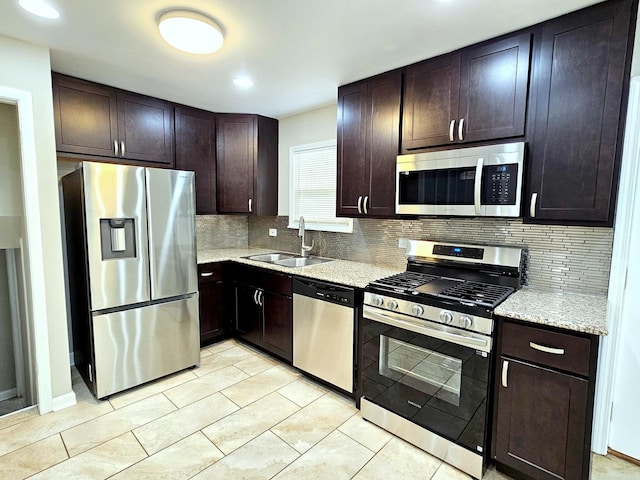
(480, 181)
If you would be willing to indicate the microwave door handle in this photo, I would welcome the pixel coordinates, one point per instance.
(478, 185)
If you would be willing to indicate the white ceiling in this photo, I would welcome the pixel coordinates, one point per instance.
(297, 51)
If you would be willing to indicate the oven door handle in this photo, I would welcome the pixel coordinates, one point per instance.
(432, 331)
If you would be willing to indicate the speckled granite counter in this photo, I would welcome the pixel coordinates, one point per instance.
(344, 272)
(580, 313)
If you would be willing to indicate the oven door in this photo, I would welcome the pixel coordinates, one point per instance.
(433, 375)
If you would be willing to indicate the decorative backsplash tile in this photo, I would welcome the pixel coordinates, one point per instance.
(221, 231)
(572, 259)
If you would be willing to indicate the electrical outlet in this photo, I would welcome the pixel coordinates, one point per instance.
(273, 232)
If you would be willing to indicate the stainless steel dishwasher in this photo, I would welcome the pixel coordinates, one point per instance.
(324, 331)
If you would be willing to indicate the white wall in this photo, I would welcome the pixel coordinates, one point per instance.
(27, 67)
(309, 127)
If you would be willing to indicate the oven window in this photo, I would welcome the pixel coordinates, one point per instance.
(433, 373)
(451, 186)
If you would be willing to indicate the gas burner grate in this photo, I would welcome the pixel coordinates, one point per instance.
(485, 294)
(405, 280)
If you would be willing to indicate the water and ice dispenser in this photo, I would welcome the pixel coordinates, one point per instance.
(117, 237)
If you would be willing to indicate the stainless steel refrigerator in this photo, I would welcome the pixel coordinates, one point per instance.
(131, 257)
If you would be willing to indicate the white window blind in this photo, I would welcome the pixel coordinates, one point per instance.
(313, 179)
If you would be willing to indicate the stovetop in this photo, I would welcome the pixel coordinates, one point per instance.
(423, 287)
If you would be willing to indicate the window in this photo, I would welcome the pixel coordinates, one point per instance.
(313, 180)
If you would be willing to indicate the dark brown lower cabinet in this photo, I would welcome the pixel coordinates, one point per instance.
(212, 302)
(264, 310)
(545, 382)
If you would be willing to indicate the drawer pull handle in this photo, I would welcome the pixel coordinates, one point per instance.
(542, 348)
(452, 126)
(505, 370)
(206, 274)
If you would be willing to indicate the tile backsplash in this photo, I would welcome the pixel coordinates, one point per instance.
(221, 231)
(572, 259)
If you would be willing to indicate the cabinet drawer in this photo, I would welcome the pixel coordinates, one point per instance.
(209, 272)
(557, 350)
(264, 279)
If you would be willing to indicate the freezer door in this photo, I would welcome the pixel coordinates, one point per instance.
(172, 232)
(116, 229)
(138, 345)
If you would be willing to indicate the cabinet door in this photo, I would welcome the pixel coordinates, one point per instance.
(382, 143)
(540, 426)
(145, 126)
(352, 136)
(85, 114)
(430, 102)
(493, 90)
(248, 314)
(211, 310)
(277, 330)
(196, 151)
(582, 75)
(235, 156)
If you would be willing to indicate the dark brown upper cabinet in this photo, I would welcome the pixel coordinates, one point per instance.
(247, 164)
(368, 142)
(97, 120)
(472, 95)
(581, 84)
(196, 151)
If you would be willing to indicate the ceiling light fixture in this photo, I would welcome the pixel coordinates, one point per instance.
(40, 8)
(244, 82)
(190, 31)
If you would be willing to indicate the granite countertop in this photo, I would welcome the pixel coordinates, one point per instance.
(344, 272)
(579, 313)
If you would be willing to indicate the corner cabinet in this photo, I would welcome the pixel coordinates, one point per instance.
(264, 310)
(543, 409)
(581, 89)
(247, 164)
(196, 151)
(368, 142)
(476, 94)
(97, 120)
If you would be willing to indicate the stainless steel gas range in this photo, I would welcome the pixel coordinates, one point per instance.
(428, 336)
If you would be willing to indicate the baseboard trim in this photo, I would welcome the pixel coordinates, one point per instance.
(64, 401)
(7, 394)
(623, 456)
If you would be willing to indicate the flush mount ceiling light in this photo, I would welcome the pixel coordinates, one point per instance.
(190, 31)
(39, 8)
(243, 82)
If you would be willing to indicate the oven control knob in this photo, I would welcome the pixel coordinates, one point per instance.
(378, 301)
(466, 321)
(393, 305)
(417, 310)
(446, 317)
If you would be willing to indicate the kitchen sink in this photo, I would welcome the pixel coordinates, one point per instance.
(302, 261)
(271, 257)
(288, 259)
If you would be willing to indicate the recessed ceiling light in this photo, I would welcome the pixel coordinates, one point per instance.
(39, 8)
(190, 31)
(243, 82)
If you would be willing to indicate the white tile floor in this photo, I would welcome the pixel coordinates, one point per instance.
(240, 415)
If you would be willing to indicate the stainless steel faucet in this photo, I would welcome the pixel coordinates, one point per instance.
(304, 249)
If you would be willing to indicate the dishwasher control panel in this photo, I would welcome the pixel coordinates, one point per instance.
(328, 292)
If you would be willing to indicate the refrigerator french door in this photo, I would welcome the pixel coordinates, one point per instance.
(132, 273)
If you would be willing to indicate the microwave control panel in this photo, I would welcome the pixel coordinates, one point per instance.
(499, 183)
